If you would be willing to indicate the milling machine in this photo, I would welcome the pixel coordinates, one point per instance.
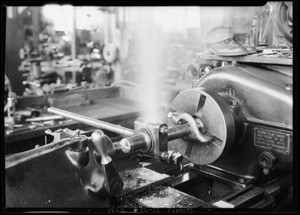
(227, 143)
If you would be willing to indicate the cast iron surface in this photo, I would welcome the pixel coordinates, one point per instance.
(262, 98)
(246, 155)
(263, 93)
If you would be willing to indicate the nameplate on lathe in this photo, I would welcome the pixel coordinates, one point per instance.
(272, 139)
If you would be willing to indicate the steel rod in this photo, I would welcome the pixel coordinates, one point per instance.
(92, 122)
(15, 159)
(179, 131)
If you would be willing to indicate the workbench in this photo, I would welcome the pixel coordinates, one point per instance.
(109, 110)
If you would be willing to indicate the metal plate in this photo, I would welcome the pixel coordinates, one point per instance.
(272, 139)
(217, 118)
(167, 197)
(139, 179)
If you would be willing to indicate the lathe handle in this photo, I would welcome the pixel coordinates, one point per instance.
(103, 144)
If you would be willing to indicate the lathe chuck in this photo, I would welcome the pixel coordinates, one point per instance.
(218, 121)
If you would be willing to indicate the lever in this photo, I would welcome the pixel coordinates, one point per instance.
(104, 146)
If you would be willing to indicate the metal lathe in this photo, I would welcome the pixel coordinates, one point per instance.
(227, 142)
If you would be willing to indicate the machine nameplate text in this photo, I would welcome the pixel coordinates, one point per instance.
(272, 139)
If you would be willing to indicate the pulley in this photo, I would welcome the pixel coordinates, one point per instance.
(110, 53)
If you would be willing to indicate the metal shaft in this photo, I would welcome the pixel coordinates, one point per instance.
(15, 159)
(179, 131)
(92, 122)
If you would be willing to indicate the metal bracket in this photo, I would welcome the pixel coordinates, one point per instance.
(158, 133)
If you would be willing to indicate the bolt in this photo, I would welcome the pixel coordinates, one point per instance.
(177, 157)
(199, 123)
(266, 171)
(126, 146)
(242, 180)
(233, 103)
(207, 69)
(169, 157)
(164, 129)
(31, 126)
(194, 83)
(164, 155)
(224, 63)
(9, 131)
(173, 117)
(170, 114)
(209, 192)
(288, 87)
